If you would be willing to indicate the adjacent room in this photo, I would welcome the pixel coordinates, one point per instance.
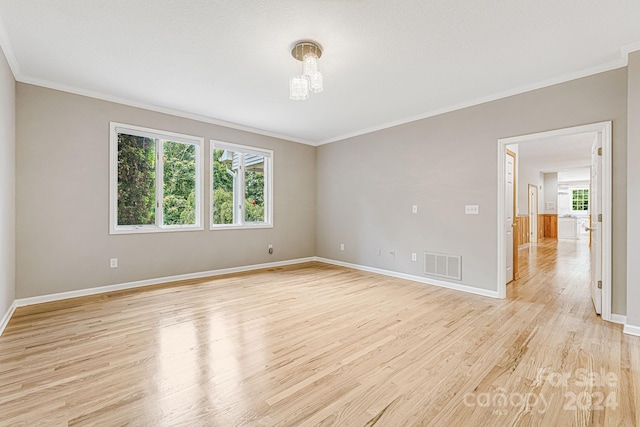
(319, 213)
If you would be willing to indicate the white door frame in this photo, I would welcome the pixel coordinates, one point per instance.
(604, 128)
(533, 217)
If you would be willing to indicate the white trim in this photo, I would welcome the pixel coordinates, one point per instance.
(608, 66)
(218, 227)
(22, 302)
(419, 279)
(7, 317)
(152, 107)
(618, 318)
(632, 330)
(114, 129)
(13, 63)
(8, 51)
(627, 49)
(604, 128)
(232, 146)
(607, 219)
(269, 168)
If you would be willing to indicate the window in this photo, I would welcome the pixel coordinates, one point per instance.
(580, 200)
(241, 186)
(155, 180)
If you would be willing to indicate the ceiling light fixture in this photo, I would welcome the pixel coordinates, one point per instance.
(308, 53)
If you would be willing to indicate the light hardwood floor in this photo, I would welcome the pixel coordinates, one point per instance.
(323, 345)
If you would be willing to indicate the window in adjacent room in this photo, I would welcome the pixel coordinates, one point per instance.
(156, 180)
(241, 186)
(580, 200)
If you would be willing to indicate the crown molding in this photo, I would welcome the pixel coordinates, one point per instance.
(612, 65)
(152, 107)
(6, 47)
(5, 44)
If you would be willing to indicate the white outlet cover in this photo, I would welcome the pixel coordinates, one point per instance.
(414, 209)
(471, 209)
(113, 262)
(414, 256)
(342, 246)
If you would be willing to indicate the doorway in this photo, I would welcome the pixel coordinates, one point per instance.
(603, 133)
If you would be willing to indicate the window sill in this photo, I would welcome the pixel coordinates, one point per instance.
(239, 227)
(146, 230)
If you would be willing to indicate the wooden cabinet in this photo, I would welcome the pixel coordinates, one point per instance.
(547, 227)
(550, 222)
(523, 229)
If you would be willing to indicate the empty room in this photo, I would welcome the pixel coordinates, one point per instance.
(319, 212)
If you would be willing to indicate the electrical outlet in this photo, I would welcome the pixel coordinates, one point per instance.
(414, 209)
(113, 263)
(270, 249)
(471, 209)
(414, 256)
(342, 246)
(392, 253)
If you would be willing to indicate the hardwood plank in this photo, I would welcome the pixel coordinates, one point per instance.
(316, 344)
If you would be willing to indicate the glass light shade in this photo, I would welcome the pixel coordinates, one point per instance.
(309, 64)
(299, 88)
(316, 82)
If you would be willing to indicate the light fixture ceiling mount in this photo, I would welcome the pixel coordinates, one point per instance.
(311, 80)
(301, 48)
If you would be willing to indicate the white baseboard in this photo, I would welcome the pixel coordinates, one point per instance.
(632, 330)
(419, 279)
(618, 318)
(22, 302)
(7, 317)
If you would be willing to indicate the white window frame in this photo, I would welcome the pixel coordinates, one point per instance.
(579, 187)
(268, 182)
(160, 136)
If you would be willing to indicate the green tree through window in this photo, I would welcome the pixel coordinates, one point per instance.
(580, 200)
(136, 180)
(179, 201)
(239, 185)
(156, 178)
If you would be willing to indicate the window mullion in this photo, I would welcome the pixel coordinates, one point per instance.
(159, 182)
(241, 189)
(266, 190)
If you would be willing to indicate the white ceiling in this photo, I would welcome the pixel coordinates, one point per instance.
(384, 62)
(557, 154)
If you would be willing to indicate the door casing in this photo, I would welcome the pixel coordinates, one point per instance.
(532, 193)
(604, 129)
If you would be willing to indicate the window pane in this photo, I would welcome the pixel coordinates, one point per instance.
(254, 188)
(580, 200)
(225, 166)
(136, 180)
(179, 183)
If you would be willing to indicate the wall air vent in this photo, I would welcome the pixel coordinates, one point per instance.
(443, 265)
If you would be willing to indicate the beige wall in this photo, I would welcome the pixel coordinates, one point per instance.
(367, 184)
(550, 192)
(363, 187)
(528, 175)
(7, 186)
(63, 240)
(633, 195)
